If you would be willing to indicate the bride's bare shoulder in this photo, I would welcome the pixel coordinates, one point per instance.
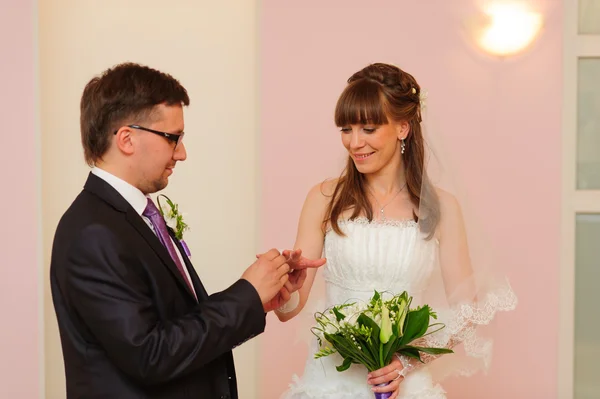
(320, 195)
(450, 208)
(447, 199)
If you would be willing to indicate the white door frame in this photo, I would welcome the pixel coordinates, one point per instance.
(573, 201)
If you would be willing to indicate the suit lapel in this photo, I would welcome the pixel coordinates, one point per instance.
(198, 286)
(107, 193)
(138, 223)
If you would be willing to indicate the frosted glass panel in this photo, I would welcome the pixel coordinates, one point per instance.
(587, 299)
(589, 17)
(588, 124)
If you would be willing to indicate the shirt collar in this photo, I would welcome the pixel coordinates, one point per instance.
(133, 195)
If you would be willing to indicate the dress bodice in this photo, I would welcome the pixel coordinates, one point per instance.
(388, 255)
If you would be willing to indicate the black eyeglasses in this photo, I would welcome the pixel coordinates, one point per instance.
(175, 138)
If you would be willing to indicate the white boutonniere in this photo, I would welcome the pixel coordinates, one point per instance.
(174, 220)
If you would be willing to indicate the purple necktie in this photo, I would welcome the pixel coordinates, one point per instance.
(160, 227)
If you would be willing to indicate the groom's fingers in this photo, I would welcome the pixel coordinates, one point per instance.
(273, 254)
(269, 255)
(283, 269)
(283, 279)
(287, 253)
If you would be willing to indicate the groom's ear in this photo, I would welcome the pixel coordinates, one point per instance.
(124, 140)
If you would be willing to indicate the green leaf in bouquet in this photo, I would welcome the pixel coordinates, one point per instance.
(375, 303)
(353, 351)
(326, 351)
(401, 316)
(345, 365)
(338, 315)
(388, 350)
(370, 353)
(410, 352)
(416, 325)
(395, 329)
(339, 344)
(368, 322)
(376, 298)
(434, 351)
(426, 314)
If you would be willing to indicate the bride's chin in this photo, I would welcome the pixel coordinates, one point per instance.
(364, 169)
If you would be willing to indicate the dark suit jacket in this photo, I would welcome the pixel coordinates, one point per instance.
(129, 325)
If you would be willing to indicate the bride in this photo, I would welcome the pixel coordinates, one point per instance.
(384, 225)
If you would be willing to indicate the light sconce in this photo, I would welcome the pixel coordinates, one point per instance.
(506, 27)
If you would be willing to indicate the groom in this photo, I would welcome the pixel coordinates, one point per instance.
(135, 320)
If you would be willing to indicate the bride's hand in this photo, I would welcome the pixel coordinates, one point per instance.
(280, 299)
(298, 265)
(298, 262)
(389, 373)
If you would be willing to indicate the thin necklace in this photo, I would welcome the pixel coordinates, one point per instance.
(381, 208)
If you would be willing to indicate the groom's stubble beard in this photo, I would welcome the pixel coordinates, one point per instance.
(151, 186)
(155, 186)
(160, 184)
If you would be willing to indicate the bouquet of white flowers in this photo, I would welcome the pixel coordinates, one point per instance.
(371, 333)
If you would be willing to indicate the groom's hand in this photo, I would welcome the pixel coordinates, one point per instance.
(298, 267)
(268, 275)
(279, 300)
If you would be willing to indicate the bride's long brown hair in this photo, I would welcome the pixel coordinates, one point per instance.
(374, 95)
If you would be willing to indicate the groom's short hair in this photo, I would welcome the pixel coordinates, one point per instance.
(126, 93)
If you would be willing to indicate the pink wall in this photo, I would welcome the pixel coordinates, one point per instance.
(20, 359)
(502, 119)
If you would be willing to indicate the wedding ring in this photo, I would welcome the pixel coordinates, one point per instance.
(399, 374)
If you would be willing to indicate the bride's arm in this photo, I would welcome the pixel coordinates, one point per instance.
(309, 238)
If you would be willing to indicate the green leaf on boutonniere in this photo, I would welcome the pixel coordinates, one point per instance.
(173, 218)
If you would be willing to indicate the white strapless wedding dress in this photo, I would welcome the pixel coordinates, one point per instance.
(385, 256)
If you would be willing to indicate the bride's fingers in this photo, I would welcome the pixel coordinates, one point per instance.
(292, 254)
(304, 263)
(391, 377)
(394, 365)
(284, 294)
(300, 278)
(391, 387)
(296, 255)
(288, 286)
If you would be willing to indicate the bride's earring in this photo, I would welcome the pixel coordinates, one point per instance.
(402, 146)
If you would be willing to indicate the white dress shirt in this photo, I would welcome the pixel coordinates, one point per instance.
(138, 201)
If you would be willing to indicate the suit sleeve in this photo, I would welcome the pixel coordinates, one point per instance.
(116, 305)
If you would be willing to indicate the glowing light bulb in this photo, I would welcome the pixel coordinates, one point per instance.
(510, 28)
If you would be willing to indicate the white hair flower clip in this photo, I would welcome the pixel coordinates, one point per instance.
(423, 99)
